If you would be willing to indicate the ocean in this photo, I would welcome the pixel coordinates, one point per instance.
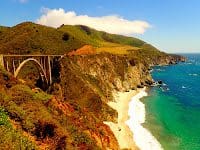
(172, 112)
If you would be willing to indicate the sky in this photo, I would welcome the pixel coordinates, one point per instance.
(170, 25)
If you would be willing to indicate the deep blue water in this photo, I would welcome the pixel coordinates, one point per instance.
(173, 112)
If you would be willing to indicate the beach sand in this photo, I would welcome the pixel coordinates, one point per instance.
(128, 130)
(142, 137)
(121, 129)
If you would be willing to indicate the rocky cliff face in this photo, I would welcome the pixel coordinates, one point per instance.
(103, 73)
(89, 81)
(168, 60)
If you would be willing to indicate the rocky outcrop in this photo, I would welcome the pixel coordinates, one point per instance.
(105, 73)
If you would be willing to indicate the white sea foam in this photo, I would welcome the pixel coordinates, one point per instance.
(160, 70)
(193, 74)
(142, 137)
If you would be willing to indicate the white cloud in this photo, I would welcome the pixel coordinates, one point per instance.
(112, 23)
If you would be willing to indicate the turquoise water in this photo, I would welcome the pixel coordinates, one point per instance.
(173, 113)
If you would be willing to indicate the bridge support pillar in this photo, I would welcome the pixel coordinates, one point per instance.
(1, 61)
(14, 69)
(49, 69)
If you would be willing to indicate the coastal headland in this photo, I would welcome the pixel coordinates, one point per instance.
(78, 110)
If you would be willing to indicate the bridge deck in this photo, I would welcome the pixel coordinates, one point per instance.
(31, 55)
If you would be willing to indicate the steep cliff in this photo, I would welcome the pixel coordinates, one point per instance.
(90, 80)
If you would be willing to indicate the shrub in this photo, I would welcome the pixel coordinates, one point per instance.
(65, 37)
(10, 138)
(81, 138)
(23, 93)
(3, 118)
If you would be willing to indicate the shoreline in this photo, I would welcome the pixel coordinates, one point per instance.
(120, 129)
(128, 130)
(142, 136)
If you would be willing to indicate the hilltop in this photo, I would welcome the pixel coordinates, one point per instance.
(31, 38)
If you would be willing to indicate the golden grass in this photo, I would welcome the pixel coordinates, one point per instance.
(120, 50)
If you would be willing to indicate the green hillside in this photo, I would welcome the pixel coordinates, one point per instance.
(99, 38)
(31, 38)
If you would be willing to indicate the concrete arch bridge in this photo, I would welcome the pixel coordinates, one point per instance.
(44, 64)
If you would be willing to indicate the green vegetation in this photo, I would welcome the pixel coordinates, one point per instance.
(27, 112)
(30, 38)
(25, 91)
(104, 42)
(3, 118)
(11, 138)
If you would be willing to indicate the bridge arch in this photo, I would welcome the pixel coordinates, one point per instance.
(39, 67)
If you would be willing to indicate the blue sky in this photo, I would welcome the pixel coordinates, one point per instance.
(175, 24)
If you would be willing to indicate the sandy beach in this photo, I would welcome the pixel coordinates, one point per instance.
(121, 130)
(131, 115)
(142, 137)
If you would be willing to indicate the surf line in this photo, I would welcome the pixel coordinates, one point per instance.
(142, 137)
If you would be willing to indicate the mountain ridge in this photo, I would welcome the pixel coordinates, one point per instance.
(38, 38)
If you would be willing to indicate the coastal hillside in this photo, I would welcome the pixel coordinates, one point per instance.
(70, 113)
(31, 38)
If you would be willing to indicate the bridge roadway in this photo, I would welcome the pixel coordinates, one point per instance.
(13, 55)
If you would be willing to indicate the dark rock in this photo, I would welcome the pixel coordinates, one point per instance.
(149, 82)
(8, 85)
(160, 82)
(132, 62)
(140, 86)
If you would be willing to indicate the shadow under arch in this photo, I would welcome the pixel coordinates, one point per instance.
(39, 67)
